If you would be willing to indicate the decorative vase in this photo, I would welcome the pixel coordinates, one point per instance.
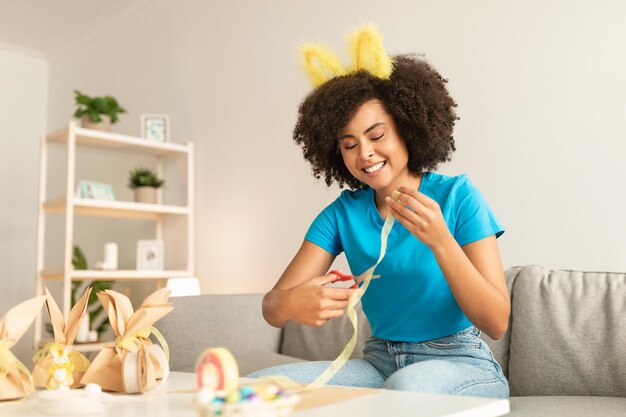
(146, 195)
(104, 125)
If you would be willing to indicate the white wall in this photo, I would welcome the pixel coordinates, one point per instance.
(23, 87)
(540, 87)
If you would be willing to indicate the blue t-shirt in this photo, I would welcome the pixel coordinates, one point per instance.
(411, 301)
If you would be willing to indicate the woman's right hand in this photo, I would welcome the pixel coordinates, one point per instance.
(301, 293)
(312, 303)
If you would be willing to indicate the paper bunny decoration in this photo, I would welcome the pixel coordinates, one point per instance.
(133, 363)
(46, 373)
(15, 379)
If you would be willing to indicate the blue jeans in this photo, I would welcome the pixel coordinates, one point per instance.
(459, 364)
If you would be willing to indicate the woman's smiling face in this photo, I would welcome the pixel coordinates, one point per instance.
(371, 148)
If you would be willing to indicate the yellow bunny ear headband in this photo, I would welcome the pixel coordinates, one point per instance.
(366, 50)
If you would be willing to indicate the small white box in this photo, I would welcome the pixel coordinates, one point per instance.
(150, 255)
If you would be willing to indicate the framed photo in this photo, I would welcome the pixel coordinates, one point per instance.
(155, 127)
(95, 190)
(150, 255)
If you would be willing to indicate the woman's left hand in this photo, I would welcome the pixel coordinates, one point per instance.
(421, 215)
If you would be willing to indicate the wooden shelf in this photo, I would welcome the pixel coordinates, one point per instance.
(116, 275)
(116, 141)
(177, 235)
(123, 209)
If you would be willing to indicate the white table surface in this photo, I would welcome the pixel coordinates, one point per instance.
(165, 401)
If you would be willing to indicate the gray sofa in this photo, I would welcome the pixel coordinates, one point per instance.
(564, 353)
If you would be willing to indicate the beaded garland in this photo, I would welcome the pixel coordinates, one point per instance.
(220, 395)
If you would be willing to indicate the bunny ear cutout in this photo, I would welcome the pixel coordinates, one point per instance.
(146, 316)
(366, 49)
(56, 318)
(76, 314)
(17, 320)
(114, 310)
(154, 307)
(109, 307)
(123, 309)
(320, 64)
(158, 297)
(119, 309)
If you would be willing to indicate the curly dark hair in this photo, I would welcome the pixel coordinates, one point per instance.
(415, 97)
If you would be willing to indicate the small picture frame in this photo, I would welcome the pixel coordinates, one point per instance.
(150, 255)
(92, 190)
(155, 127)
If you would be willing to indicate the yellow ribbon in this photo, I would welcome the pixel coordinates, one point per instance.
(80, 361)
(8, 361)
(134, 342)
(343, 357)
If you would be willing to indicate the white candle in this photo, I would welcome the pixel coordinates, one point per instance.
(110, 255)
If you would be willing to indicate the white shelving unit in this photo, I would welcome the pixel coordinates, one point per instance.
(71, 206)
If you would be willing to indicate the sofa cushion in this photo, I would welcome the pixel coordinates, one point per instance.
(325, 342)
(568, 333)
(231, 321)
(553, 406)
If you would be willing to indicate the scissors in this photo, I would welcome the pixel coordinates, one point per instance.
(346, 277)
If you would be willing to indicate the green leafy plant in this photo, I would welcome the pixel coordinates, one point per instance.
(94, 107)
(143, 177)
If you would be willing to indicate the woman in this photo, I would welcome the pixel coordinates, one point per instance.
(441, 281)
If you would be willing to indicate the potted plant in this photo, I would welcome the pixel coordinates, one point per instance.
(145, 183)
(97, 112)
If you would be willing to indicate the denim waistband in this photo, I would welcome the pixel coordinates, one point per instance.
(471, 331)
